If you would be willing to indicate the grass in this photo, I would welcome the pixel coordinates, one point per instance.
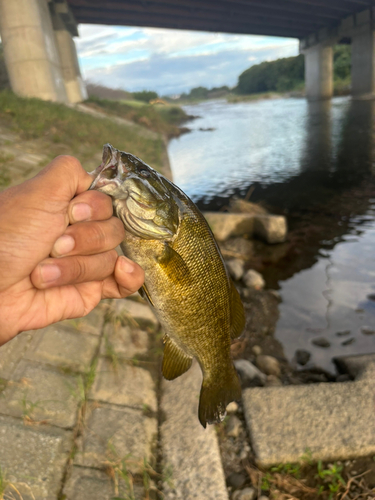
(83, 134)
(164, 119)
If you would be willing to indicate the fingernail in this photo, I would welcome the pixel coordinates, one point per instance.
(49, 272)
(126, 265)
(81, 211)
(63, 245)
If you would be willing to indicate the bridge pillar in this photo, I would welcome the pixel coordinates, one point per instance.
(30, 51)
(319, 71)
(363, 63)
(65, 28)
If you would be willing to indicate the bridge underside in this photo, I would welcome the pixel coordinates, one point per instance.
(288, 18)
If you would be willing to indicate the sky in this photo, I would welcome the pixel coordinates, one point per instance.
(171, 61)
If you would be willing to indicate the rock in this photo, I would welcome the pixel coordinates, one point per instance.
(237, 247)
(343, 333)
(302, 356)
(233, 426)
(343, 377)
(257, 350)
(232, 407)
(245, 494)
(271, 228)
(349, 341)
(263, 497)
(225, 225)
(236, 480)
(276, 294)
(248, 371)
(268, 365)
(238, 206)
(273, 381)
(253, 279)
(235, 268)
(321, 342)
(355, 365)
(371, 296)
(366, 330)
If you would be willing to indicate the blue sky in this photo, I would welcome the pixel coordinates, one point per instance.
(171, 61)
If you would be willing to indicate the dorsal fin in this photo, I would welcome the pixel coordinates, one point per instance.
(237, 313)
(175, 361)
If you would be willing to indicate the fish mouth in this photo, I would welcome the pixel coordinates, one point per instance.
(111, 171)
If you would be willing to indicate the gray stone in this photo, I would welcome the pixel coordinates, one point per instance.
(256, 350)
(271, 228)
(253, 279)
(343, 333)
(356, 365)
(226, 225)
(248, 371)
(236, 480)
(113, 433)
(324, 418)
(91, 323)
(12, 352)
(136, 313)
(90, 484)
(302, 356)
(235, 268)
(268, 365)
(124, 385)
(123, 341)
(191, 454)
(273, 381)
(63, 347)
(33, 458)
(367, 330)
(245, 494)
(233, 427)
(349, 341)
(232, 407)
(321, 342)
(42, 394)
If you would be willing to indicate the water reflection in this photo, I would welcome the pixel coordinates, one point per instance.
(314, 162)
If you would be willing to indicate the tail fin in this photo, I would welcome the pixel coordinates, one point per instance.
(216, 394)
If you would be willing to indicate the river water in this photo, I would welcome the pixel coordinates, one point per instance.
(313, 162)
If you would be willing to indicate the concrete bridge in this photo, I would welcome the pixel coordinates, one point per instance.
(41, 58)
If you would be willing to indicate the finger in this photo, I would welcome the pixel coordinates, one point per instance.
(89, 238)
(73, 270)
(90, 205)
(127, 279)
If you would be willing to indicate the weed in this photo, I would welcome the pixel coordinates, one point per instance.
(331, 477)
(3, 483)
(110, 352)
(28, 407)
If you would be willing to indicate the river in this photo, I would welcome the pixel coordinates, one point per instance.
(315, 163)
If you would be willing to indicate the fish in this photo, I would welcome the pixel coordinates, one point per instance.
(186, 281)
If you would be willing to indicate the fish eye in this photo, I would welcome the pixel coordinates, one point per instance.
(144, 172)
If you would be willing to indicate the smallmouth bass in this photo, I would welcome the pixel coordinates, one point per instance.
(186, 281)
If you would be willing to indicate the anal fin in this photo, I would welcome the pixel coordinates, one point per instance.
(175, 361)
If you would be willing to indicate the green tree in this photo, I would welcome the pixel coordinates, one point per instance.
(145, 95)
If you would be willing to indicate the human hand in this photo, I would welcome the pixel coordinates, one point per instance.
(57, 257)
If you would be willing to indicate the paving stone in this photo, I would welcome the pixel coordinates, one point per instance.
(137, 311)
(33, 458)
(41, 394)
(89, 484)
(123, 341)
(190, 453)
(113, 433)
(331, 420)
(92, 323)
(126, 385)
(62, 346)
(12, 352)
(355, 365)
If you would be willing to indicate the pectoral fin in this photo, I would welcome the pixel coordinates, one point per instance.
(173, 264)
(143, 292)
(175, 361)
(237, 313)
